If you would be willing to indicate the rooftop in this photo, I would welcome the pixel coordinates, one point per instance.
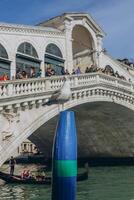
(72, 16)
(39, 28)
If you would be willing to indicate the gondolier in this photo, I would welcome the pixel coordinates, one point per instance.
(12, 163)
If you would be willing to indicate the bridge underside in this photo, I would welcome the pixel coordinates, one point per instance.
(104, 129)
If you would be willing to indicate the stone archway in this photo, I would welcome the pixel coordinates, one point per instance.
(82, 47)
(105, 129)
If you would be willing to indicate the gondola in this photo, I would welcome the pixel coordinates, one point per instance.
(46, 181)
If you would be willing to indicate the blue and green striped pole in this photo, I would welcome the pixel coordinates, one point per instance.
(64, 172)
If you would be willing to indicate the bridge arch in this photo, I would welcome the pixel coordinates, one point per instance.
(29, 96)
(44, 115)
(83, 45)
(96, 119)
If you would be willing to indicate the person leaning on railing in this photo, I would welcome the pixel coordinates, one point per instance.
(4, 77)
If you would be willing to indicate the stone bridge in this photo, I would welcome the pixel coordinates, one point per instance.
(22, 113)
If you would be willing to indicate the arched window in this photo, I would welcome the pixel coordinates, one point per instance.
(4, 62)
(3, 53)
(108, 68)
(28, 49)
(27, 61)
(54, 50)
(54, 59)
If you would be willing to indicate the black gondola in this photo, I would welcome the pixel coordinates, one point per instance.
(46, 181)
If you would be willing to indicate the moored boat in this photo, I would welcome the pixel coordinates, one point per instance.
(42, 180)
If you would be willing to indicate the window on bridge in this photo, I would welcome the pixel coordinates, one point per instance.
(3, 52)
(109, 69)
(27, 61)
(4, 63)
(28, 49)
(54, 59)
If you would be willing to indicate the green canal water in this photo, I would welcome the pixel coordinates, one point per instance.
(104, 183)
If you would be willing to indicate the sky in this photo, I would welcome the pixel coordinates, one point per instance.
(116, 17)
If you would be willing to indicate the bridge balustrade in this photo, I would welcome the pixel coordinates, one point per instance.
(51, 84)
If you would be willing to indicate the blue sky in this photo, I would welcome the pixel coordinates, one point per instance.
(116, 17)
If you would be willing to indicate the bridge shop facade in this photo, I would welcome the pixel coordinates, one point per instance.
(66, 41)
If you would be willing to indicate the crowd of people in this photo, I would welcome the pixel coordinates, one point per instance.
(51, 72)
(107, 70)
(126, 61)
(32, 74)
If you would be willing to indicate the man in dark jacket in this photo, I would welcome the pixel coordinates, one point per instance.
(12, 163)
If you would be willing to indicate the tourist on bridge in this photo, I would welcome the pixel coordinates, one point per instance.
(12, 163)
(73, 72)
(87, 70)
(39, 73)
(32, 73)
(78, 71)
(63, 71)
(67, 72)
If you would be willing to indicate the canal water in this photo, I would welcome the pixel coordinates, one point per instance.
(104, 183)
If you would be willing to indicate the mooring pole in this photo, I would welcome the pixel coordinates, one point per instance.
(64, 170)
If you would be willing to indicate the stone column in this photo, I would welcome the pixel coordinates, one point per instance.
(42, 65)
(42, 68)
(13, 67)
(68, 46)
(99, 50)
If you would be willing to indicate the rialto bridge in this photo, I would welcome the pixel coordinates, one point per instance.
(23, 111)
(103, 104)
(66, 41)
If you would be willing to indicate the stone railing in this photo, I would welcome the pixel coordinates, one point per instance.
(29, 87)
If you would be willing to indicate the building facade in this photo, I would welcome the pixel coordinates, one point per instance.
(66, 41)
(26, 148)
